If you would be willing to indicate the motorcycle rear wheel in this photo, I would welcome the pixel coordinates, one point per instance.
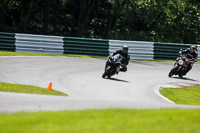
(180, 75)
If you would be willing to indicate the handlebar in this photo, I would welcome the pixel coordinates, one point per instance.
(192, 60)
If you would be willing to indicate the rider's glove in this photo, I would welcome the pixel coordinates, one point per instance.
(192, 60)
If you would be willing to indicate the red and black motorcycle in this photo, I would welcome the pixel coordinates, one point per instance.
(180, 66)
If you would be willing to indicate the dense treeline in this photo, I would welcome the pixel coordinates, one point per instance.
(142, 20)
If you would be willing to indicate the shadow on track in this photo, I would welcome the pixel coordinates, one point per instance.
(115, 79)
(184, 78)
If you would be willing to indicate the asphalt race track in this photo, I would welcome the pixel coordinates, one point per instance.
(81, 79)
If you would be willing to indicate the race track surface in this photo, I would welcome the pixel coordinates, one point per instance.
(81, 79)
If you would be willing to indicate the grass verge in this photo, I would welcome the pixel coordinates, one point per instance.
(6, 53)
(103, 121)
(186, 95)
(5, 87)
(154, 60)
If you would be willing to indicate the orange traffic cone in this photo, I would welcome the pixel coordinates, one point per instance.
(50, 86)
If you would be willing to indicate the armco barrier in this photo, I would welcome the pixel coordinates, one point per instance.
(198, 53)
(86, 46)
(7, 41)
(137, 49)
(39, 44)
(168, 51)
(89, 46)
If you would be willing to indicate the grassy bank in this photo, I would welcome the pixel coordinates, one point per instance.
(186, 95)
(6, 53)
(5, 87)
(104, 121)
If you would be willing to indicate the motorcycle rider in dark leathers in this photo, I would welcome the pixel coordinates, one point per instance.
(125, 61)
(192, 55)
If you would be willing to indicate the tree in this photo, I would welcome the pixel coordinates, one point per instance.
(85, 9)
(46, 13)
(142, 20)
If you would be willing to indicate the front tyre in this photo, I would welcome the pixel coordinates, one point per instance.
(107, 72)
(172, 72)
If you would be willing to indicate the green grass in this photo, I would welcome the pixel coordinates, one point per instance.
(169, 61)
(6, 53)
(5, 87)
(103, 121)
(186, 95)
(154, 60)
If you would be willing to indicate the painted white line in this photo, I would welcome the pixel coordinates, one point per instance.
(159, 87)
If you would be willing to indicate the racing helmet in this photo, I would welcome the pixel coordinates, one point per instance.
(125, 49)
(192, 48)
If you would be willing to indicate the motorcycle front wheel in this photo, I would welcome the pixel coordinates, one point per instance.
(173, 71)
(107, 72)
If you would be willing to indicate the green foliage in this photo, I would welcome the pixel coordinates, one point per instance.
(103, 121)
(142, 20)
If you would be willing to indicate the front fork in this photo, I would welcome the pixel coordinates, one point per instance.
(117, 69)
(178, 66)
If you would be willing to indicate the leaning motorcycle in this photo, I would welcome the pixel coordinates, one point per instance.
(113, 67)
(180, 66)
